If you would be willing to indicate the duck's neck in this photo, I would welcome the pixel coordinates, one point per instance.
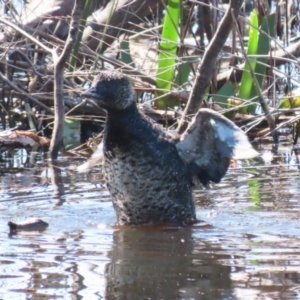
(121, 126)
(117, 113)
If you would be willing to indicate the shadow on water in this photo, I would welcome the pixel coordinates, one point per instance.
(246, 247)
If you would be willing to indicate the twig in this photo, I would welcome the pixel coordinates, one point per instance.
(260, 97)
(278, 127)
(59, 63)
(34, 100)
(207, 66)
(24, 33)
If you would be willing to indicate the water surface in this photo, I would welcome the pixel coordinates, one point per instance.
(247, 245)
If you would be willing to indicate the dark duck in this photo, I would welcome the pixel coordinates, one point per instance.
(150, 172)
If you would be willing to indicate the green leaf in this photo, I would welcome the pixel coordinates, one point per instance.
(223, 96)
(267, 30)
(290, 101)
(71, 135)
(125, 53)
(259, 44)
(286, 102)
(247, 82)
(184, 70)
(168, 50)
(224, 93)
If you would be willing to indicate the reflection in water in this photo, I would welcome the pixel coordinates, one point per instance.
(56, 180)
(150, 263)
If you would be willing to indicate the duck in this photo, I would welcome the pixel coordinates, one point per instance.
(149, 172)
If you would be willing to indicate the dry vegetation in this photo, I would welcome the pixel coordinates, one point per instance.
(50, 51)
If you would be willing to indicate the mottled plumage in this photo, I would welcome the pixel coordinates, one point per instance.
(149, 173)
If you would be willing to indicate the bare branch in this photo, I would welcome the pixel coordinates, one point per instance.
(34, 100)
(59, 63)
(208, 64)
(24, 33)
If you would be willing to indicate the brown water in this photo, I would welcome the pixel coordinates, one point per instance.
(247, 247)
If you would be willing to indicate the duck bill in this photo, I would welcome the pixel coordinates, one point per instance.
(91, 94)
(92, 97)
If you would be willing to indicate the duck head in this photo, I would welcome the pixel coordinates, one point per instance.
(111, 90)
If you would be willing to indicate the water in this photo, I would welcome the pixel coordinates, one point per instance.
(247, 245)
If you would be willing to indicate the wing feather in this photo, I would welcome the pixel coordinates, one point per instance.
(209, 143)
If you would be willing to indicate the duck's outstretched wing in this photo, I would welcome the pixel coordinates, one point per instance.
(209, 143)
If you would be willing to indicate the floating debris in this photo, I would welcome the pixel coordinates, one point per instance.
(23, 138)
(30, 224)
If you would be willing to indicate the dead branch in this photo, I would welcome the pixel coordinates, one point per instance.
(59, 63)
(16, 88)
(276, 58)
(24, 33)
(208, 64)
